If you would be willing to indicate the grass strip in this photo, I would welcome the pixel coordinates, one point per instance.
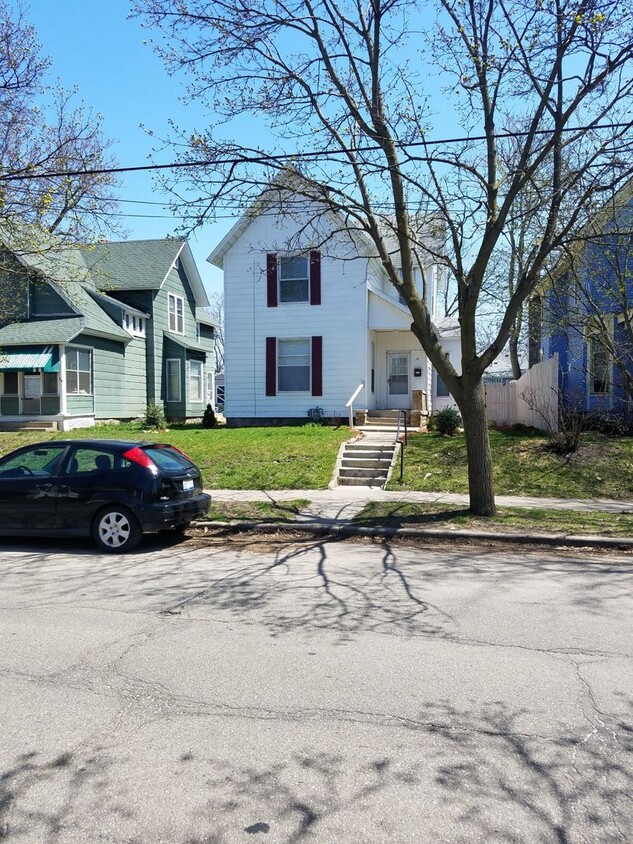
(256, 511)
(514, 519)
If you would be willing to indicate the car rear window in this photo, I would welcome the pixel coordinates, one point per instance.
(168, 458)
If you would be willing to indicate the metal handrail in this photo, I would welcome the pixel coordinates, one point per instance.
(351, 402)
(402, 445)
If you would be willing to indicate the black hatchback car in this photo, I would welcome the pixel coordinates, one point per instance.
(112, 490)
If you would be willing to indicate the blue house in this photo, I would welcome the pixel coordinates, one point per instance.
(586, 315)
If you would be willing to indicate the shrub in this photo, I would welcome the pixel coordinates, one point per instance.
(208, 418)
(316, 414)
(154, 415)
(448, 421)
(431, 422)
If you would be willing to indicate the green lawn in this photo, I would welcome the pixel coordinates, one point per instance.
(602, 467)
(303, 457)
(293, 457)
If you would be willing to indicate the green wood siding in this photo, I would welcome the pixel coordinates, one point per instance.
(118, 377)
(50, 405)
(9, 405)
(80, 405)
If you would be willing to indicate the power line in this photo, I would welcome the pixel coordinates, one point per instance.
(281, 157)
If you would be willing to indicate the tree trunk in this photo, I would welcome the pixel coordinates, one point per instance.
(513, 346)
(480, 485)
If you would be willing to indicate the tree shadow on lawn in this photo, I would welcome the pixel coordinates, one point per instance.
(459, 774)
(400, 514)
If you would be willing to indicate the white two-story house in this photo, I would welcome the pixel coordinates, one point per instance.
(311, 317)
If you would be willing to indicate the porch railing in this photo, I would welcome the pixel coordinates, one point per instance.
(350, 403)
(402, 414)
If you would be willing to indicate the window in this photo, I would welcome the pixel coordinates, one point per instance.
(11, 383)
(42, 461)
(293, 365)
(49, 384)
(173, 379)
(441, 390)
(599, 366)
(78, 372)
(134, 324)
(195, 380)
(88, 459)
(294, 279)
(176, 308)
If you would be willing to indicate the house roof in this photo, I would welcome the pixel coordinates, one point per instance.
(132, 264)
(41, 331)
(597, 227)
(78, 273)
(141, 265)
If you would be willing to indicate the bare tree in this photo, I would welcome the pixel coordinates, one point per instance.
(216, 309)
(43, 132)
(341, 86)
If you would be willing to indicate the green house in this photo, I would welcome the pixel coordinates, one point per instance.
(94, 333)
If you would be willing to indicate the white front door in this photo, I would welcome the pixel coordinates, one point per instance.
(398, 380)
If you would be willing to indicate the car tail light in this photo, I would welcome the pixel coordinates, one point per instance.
(137, 455)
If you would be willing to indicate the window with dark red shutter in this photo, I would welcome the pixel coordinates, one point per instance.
(315, 278)
(271, 366)
(271, 281)
(317, 366)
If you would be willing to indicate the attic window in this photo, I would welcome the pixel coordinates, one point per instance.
(134, 325)
(176, 309)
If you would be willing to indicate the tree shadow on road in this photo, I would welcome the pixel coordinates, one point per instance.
(460, 774)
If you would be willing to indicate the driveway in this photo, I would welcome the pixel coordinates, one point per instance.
(314, 692)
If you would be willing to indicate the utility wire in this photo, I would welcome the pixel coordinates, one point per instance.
(264, 159)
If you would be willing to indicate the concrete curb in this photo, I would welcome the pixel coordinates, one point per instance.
(337, 529)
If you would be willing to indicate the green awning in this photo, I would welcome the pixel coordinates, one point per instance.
(17, 360)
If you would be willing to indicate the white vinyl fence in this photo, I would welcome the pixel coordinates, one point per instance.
(532, 400)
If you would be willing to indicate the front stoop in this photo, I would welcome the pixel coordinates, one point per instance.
(27, 425)
(364, 463)
(387, 420)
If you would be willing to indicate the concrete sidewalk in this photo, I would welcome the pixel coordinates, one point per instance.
(341, 504)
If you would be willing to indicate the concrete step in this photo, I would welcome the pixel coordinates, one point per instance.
(386, 429)
(351, 481)
(376, 452)
(365, 463)
(384, 414)
(363, 471)
(27, 426)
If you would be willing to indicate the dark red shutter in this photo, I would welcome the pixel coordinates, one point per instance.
(271, 281)
(317, 366)
(271, 366)
(315, 278)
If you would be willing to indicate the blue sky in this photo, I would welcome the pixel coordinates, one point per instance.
(95, 48)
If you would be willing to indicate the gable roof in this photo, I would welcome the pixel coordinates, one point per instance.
(141, 265)
(596, 228)
(132, 264)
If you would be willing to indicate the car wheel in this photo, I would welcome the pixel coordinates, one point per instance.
(116, 530)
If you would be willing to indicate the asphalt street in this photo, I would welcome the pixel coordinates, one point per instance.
(324, 691)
